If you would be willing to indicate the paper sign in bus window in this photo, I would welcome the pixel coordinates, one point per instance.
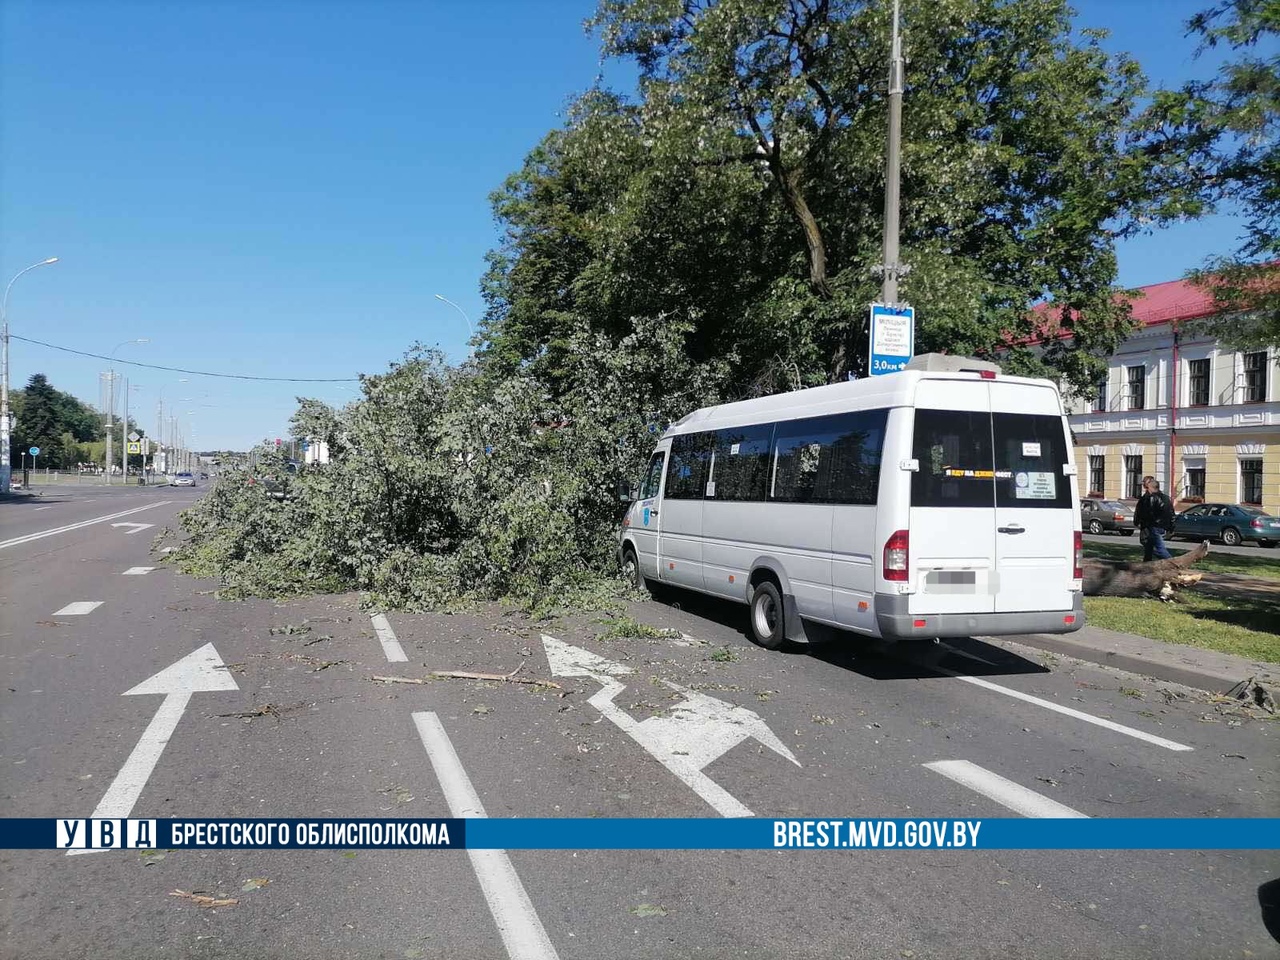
(1034, 485)
(1030, 449)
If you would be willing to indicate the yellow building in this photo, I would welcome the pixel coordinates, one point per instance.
(1201, 418)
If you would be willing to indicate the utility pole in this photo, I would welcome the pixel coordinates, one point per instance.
(892, 269)
(111, 411)
(124, 440)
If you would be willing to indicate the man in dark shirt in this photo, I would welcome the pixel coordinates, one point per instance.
(1154, 516)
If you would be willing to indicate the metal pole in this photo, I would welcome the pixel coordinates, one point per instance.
(6, 466)
(111, 411)
(124, 440)
(470, 349)
(893, 166)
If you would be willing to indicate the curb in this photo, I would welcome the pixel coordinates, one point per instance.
(1162, 661)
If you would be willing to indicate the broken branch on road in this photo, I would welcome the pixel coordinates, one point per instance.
(472, 675)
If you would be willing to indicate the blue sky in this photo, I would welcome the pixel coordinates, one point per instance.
(280, 188)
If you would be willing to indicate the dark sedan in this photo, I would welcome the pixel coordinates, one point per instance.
(1229, 523)
(1099, 516)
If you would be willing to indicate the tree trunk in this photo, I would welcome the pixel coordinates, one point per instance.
(790, 183)
(1158, 578)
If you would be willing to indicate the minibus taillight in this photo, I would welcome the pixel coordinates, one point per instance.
(1077, 572)
(987, 374)
(896, 550)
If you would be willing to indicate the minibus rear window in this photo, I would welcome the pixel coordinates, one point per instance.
(954, 451)
(1030, 452)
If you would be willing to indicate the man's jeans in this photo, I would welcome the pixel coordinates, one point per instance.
(1155, 544)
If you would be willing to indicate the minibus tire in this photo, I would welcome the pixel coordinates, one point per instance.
(631, 570)
(768, 620)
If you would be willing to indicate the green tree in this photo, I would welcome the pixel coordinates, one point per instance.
(1022, 163)
(54, 421)
(1237, 117)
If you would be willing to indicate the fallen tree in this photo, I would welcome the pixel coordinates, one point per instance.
(1155, 578)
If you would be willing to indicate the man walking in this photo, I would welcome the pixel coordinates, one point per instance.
(1154, 517)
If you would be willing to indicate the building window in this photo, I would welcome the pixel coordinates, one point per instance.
(1255, 377)
(1198, 383)
(1195, 483)
(1100, 397)
(1135, 388)
(1133, 477)
(1251, 481)
(1097, 473)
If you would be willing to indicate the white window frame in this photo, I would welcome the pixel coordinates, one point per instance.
(1128, 394)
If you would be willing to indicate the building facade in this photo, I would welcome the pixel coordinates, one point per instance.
(1200, 417)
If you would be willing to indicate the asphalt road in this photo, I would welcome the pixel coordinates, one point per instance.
(309, 733)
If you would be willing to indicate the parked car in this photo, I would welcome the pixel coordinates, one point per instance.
(1100, 516)
(182, 480)
(1229, 523)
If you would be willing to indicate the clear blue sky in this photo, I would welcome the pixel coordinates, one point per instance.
(281, 187)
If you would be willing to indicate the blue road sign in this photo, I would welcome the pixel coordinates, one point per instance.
(893, 338)
(34, 451)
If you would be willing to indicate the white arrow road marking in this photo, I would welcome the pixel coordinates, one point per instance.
(390, 645)
(696, 732)
(79, 608)
(1067, 711)
(17, 541)
(199, 671)
(522, 932)
(137, 571)
(137, 527)
(1016, 797)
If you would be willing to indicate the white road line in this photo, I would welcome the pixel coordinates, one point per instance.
(137, 571)
(522, 932)
(1067, 711)
(390, 645)
(17, 541)
(79, 608)
(38, 509)
(1016, 797)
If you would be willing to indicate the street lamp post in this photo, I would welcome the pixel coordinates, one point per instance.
(470, 349)
(6, 424)
(111, 407)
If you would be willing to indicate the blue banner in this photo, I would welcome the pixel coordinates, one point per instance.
(643, 834)
(893, 338)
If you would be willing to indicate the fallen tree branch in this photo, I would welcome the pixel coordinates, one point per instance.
(1155, 578)
(469, 675)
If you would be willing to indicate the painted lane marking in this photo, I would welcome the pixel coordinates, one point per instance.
(693, 734)
(1067, 711)
(79, 608)
(1016, 797)
(199, 671)
(38, 509)
(390, 645)
(522, 932)
(137, 527)
(137, 571)
(17, 541)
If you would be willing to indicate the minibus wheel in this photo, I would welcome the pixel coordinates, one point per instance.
(631, 570)
(768, 626)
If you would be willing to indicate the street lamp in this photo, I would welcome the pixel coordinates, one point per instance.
(470, 350)
(6, 424)
(111, 403)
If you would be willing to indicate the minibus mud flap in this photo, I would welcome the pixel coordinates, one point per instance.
(793, 626)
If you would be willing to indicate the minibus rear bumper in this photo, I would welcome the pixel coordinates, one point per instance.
(896, 623)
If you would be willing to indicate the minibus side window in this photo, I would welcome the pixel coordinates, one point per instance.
(652, 477)
(833, 459)
(688, 465)
(1030, 450)
(953, 448)
(743, 462)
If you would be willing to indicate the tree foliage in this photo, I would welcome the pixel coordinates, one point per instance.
(56, 422)
(1238, 119)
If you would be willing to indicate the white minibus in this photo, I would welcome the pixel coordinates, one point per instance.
(939, 501)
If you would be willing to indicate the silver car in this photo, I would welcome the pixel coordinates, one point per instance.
(182, 480)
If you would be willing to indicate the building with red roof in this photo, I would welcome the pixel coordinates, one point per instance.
(1202, 418)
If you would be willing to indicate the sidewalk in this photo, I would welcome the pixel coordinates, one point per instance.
(1191, 666)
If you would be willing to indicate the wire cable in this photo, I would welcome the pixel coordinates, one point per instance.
(197, 373)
